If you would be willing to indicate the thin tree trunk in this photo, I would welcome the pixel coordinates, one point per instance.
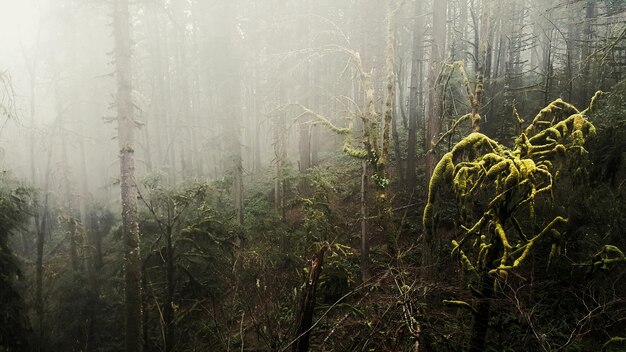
(280, 154)
(69, 206)
(587, 40)
(304, 139)
(480, 325)
(39, 305)
(430, 241)
(434, 99)
(365, 243)
(168, 312)
(462, 44)
(307, 307)
(415, 95)
(130, 223)
(384, 204)
(42, 227)
(231, 98)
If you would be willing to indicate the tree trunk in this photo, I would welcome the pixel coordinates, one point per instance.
(67, 184)
(304, 138)
(307, 307)
(232, 90)
(130, 223)
(384, 206)
(462, 35)
(39, 305)
(430, 242)
(586, 49)
(415, 98)
(480, 325)
(280, 154)
(365, 243)
(168, 311)
(434, 96)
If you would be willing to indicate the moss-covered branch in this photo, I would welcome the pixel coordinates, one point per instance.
(614, 341)
(502, 182)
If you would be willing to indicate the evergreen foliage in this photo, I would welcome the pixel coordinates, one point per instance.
(16, 204)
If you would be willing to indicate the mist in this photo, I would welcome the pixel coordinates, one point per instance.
(332, 175)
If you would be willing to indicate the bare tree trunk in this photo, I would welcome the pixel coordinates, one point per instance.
(415, 99)
(39, 305)
(307, 307)
(130, 223)
(42, 227)
(230, 93)
(462, 44)
(430, 242)
(280, 154)
(384, 206)
(304, 139)
(67, 184)
(168, 312)
(40, 217)
(480, 324)
(548, 71)
(365, 243)
(434, 99)
(586, 49)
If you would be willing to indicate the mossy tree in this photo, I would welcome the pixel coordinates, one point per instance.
(374, 141)
(496, 190)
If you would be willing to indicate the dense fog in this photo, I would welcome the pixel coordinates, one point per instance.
(333, 175)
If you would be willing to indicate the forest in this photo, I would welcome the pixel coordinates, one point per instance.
(312, 175)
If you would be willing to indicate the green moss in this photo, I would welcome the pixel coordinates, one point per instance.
(513, 179)
(608, 255)
(614, 341)
(460, 304)
(353, 152)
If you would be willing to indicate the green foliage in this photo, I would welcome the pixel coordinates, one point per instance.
(610, 118)
(16, 203)
(612, 342)
(504, 199)
(506, 181)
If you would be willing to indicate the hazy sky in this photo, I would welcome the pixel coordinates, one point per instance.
(18, 19)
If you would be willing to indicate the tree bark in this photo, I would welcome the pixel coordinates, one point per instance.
(168, 311)
(307, 307)
(586, 49)
(365, 242)
(67, 184)
(415, 98)
(130, 223)
(41, 221)
(430, 242)
(480, 325)
(280, 154)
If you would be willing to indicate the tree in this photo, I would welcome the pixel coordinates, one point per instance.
(15, 206)
(434, 112)
(496, 191)
(415, 98)
(126, 141)
(231, 95)
(167, 206)
(7, 95)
